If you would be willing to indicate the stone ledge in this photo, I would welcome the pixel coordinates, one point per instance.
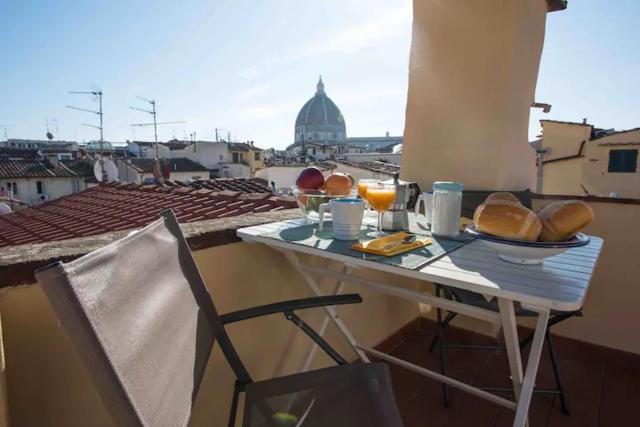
(19, 263)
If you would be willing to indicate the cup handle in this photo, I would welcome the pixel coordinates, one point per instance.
(322, 208)
(418, 202)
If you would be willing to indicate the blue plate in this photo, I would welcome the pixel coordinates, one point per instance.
(577, 241)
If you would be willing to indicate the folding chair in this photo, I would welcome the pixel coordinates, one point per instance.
(470, 201)
(144, 325)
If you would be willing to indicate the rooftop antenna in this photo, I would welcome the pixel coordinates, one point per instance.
(155, 123)
(49, 134)
(55, 121)
(5, 127)
(96, 93)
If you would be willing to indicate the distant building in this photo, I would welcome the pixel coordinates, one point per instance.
(245, 159)
(141, 170)
(320, 120)
(320, 127)
(576, 158)
(36, 181)
(376, 143)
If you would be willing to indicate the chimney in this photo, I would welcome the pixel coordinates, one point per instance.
(584, 121)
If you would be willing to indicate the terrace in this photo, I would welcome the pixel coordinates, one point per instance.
(43, 382)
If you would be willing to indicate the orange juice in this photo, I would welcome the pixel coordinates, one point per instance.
(381, 199)
(362, 190)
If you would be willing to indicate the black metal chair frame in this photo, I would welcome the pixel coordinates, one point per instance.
(471, 199)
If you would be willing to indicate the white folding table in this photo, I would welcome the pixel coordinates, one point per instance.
(560, 283)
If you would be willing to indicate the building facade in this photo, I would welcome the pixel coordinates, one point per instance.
(578, 159)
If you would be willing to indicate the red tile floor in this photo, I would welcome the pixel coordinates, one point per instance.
(602, 385)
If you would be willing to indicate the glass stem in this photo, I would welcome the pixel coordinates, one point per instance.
(380, 222)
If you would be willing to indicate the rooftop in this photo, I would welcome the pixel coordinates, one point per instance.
(14, 153)
(243, 146)
(243, 185)
(123, 206)
(33, 169)
(375, 166)
(178, 164)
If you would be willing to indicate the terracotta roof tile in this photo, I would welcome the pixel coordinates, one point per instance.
(116, 206)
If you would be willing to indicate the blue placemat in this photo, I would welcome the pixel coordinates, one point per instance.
(309, 235)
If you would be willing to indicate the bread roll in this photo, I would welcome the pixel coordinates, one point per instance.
(507, 219)
(562, 220)
(502, 195)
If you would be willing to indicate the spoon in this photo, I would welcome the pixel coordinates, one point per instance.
(405, 240)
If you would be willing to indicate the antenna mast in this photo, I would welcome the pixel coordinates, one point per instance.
(155, 123)
(97, 93)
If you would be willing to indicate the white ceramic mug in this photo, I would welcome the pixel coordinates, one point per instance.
(346, 215)
(425, 198)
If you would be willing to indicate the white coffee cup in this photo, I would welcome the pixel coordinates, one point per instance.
(425, 198)
(346, 215)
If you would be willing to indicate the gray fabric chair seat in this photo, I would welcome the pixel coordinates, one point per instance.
(340, 396)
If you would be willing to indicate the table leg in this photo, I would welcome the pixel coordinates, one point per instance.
(523, 385)
(331, 311)
(337, 290)
(512, 343)
(529, 381)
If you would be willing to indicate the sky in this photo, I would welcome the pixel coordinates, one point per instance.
(246, 67)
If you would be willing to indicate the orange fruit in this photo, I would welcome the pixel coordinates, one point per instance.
(338, 184)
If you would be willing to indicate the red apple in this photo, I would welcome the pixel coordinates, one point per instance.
(310, 179)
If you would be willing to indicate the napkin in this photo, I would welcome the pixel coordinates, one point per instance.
(390, 245)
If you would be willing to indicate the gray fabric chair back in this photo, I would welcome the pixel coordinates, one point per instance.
(142, 322)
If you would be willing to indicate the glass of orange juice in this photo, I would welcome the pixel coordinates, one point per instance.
(363, 184)
(380, 197)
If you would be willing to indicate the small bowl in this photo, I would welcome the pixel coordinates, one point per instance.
(525, 252)
(309, 201)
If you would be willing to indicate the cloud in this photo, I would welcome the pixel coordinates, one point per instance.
(386, 24)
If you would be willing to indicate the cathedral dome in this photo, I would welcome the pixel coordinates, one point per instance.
(320, 120)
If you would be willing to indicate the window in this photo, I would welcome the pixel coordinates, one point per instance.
(221, 157)
(237, 157)
(256, 155)
(39, 188)
(623, 160)
(12, 186)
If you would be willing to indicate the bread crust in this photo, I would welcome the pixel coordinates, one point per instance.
(504, 218)
(562, 220)
(502, 195)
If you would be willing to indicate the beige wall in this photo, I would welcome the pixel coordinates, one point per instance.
(472, 78)
(49, 387)
(564, 177)
(563, 139)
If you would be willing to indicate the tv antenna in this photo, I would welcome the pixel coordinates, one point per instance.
(5, 128)
(155, 123)
(98, 94)
(51, 136)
